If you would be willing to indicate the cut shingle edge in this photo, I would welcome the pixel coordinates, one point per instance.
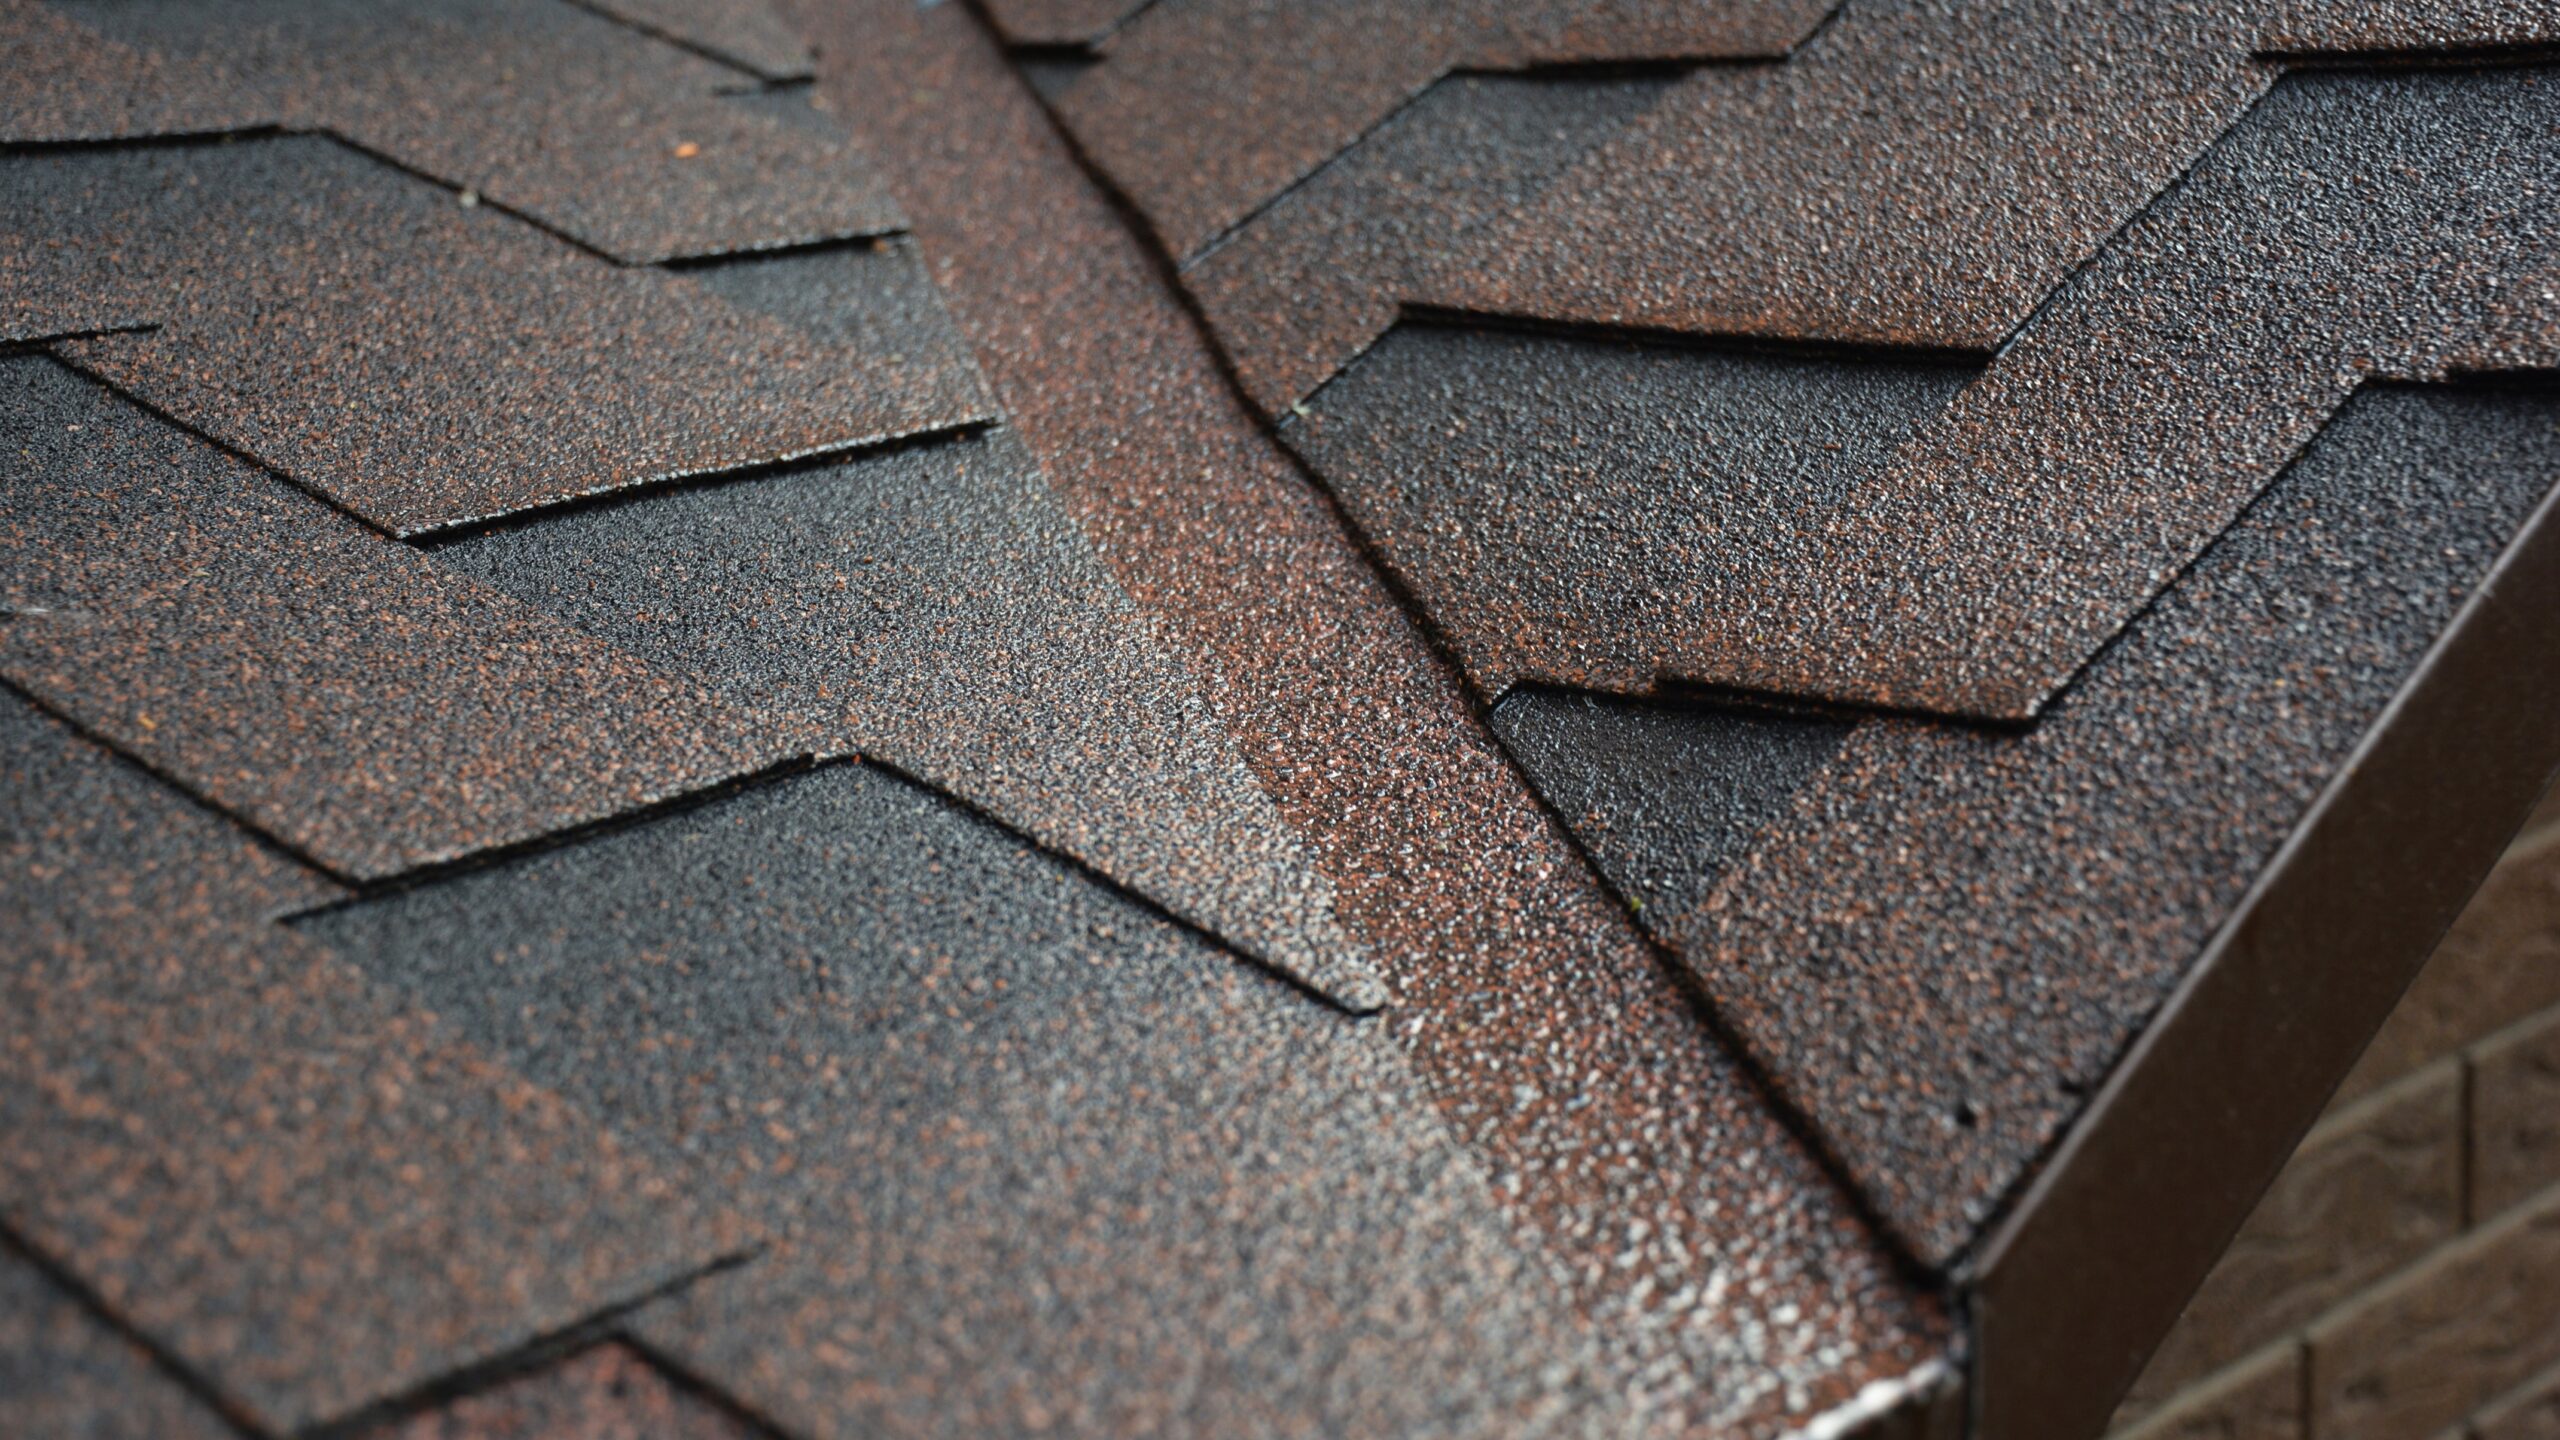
(2315, 953)
(745, 34)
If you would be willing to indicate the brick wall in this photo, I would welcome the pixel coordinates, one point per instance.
(2401, 1280)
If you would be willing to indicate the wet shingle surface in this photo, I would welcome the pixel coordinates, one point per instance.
(1574, 672)
(423, 363)
(1020, 1142)
(311, 1195)
(341, 693)
(1203, 111)
(622, 140)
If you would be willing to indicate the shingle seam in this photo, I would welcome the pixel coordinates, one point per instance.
(689, 1380)
(15, 1246)
(256, 837)
(158, 140)
(688, 264)
(1488, 691)
(2433, 57)
(467, 195)
(185, 139)
(535, 1353)
(179, 423)
(1557, 70)
(265, 838)
(610, 497)
(1808, 1131)
(1816, 1142)
(747, 72)
(361, 893)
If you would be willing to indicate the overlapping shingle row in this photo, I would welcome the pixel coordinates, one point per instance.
(1268, 90)
(625, 144)
(1908, 371)
(600, 828)
(310, 1195)
(1736, 1287)
(430, 366)
(310, 1190)
(1967, 553)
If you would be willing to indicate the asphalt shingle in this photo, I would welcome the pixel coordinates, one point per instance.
(1019, 1141)
(338, 691)
(312, 1196)
(423, 363)
(1203, 111)
(597, 130)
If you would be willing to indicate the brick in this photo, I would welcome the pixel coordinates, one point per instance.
(2499, 962)
(2454, 1331)
(2515, 1114)
(2531, 1411)
(2258, 1399)
(2373, 1187)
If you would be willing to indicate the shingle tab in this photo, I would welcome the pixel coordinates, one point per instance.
(422, 363)
(1304, 287)
(336, 690)
(1923, 173)
(311, 1195)
(1570, 510)
(935, 609)
(65, 1372)
(1949, 934)
(1019, 1141)
(599, 131)
(745, 33)
(1967, 555)
(1204, 110)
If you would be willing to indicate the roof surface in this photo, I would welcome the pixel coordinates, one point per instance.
(1180, 717)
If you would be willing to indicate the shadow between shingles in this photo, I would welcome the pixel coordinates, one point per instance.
(600, 131)
(299, 1188)
(421, 362)
(343, 694)
(1034, 1158)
